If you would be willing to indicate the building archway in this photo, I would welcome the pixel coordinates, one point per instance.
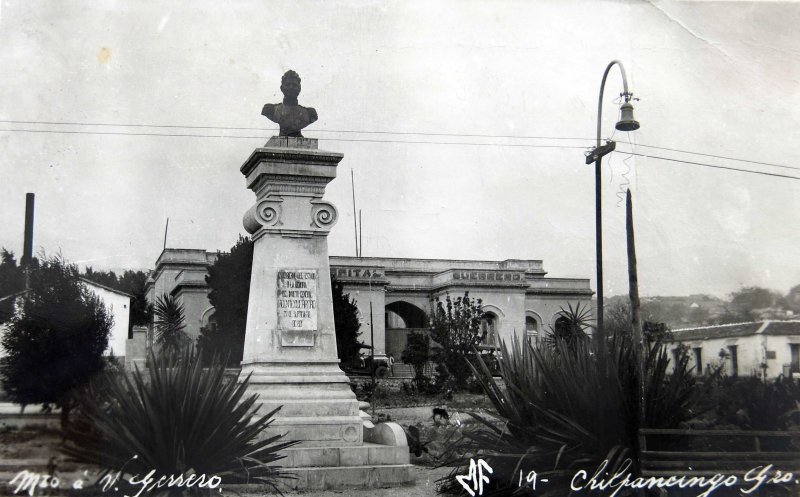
(208, 319)
(402, 318)
(490, 326)
(561, 326)
(533, 327)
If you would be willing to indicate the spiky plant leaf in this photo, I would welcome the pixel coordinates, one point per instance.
(169, 323)
(567, 406)
(176, 418)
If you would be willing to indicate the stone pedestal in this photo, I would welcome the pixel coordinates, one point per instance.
(290, 342)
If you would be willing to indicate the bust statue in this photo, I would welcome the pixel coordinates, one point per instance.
(291, 116)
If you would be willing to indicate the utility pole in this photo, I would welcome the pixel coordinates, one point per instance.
(166, 228)
(636, 315)
(27, 250)
(355, 218)
(626, 123)
(372, 352)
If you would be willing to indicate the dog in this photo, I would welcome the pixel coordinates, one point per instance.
(441, 412)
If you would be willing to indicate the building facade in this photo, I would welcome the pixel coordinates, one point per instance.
(764, 348)
(394, 296)
(118, 304)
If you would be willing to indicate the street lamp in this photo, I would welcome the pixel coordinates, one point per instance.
(626, 123)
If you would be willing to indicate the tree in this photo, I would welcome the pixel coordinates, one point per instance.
(456, 327)
(12, 280)
(617, 317)
(417, 353)
(655, 332)
(132, 283)
(793, 298)
(55, 341)
(169, 324)
(749, 299)
(346, 323)
(699, 315)
(618, 323)
(229, 281)
(571, 327)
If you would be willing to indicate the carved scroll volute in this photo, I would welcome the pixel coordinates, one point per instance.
(323, 215)
(264, 214)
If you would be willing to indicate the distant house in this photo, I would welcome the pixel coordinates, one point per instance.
(769, 348)
(118, 305)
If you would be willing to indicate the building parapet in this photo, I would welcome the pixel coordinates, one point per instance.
(437, 265)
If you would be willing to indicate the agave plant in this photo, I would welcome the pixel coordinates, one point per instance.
(568, 406)
(184, 419)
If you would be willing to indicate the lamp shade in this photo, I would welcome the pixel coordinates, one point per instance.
(626, 121)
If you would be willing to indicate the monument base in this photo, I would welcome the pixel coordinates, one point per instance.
(290, 340)
(338, 448)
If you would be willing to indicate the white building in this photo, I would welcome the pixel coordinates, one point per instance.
(118, 305)
(769, 348)
(517, 296)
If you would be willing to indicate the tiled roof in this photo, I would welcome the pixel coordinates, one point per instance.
(718, 331)
(782, 328)
(736, 330)
(104, 287)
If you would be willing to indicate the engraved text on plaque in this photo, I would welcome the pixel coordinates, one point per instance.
(297, 305)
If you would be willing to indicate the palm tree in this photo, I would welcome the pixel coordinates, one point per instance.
(169, 325)
(571, 327)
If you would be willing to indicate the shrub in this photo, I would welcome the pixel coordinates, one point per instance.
(55, 341)
(750, 403)
(417, 353)
(569, 406)
(183, 419)
(456, 327)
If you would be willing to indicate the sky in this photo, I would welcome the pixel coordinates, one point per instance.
(464, 125)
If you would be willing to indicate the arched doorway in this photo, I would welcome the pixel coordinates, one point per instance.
(532, 329)
(562, 327)
(489, 325)
(401, 318)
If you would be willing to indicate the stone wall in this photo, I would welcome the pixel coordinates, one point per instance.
(136, 349)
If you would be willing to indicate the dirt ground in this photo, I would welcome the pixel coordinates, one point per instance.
(20, 446)
(425, 486)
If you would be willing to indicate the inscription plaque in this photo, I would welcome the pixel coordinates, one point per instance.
(297, 299)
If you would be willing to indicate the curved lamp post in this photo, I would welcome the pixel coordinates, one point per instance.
(626, 123)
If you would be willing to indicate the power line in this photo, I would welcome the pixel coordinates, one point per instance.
(401, 133)
(415, 142)
(124, 133)
(118, 125)
(714, 166)
(711, 155)
(193, 135)
(455, 135)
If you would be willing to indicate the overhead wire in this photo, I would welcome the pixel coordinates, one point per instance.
(368, 132)
(772, 164)
(701, 164)
(193, 135)
(421, 142)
